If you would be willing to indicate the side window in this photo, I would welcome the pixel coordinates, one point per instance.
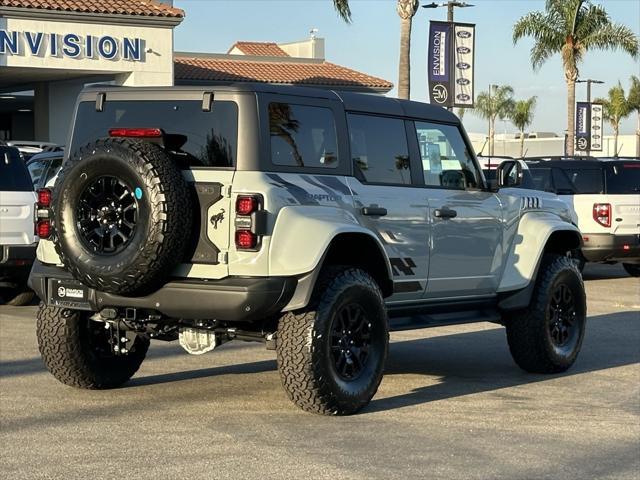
(563, 185)
(379, 149)
(36, 170)
(302, 136)
(446, 162)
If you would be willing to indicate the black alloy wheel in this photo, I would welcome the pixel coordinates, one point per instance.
(106, 215)
(562, 317)
(350, 341)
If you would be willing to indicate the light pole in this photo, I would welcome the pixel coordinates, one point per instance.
(589, 81)
(451, 5)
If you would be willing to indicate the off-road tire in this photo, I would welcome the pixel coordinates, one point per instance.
(303, 345)
(528, 331)
(164, 216)
(578, 258)
(632, 269)
(64, 343)
(18, 298)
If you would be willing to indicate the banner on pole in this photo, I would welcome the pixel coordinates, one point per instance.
(596, 127)
(583, 127)
(451, 64)
(464, 54)
(439, 63)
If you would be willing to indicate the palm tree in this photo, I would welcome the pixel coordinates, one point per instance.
(343, 10)
(406, 10)
(496, 103)
(522, 116)
(572, 28)
(614, 108)
(634, 100)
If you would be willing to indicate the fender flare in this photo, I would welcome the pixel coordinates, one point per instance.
(530, 242)
(300, 240)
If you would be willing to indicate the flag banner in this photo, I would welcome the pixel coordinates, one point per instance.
(583, 130)
(439, 63)
(596, 127)
(463, 64)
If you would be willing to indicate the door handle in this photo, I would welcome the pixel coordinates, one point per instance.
(445, 213)
(374, 211)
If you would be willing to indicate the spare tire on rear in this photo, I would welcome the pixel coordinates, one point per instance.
(122, 216)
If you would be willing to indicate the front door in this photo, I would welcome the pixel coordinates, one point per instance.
(387, 201)
(466, 222)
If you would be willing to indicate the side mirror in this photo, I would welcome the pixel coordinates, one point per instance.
(509, 174)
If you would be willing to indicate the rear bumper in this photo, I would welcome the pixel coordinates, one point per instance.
(233, 299)
(611, 248)
(15, 263)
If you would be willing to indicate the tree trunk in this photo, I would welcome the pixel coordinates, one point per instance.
(492, 131)
(571, 116)
(616, 130)
(638, 136)
(404, 67)
(521, 142)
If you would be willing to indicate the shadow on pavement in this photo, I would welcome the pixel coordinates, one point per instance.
(601, 271)
(466, 363)
(477, 362)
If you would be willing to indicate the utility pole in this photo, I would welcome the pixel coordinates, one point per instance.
(451, 5)
(589, 81)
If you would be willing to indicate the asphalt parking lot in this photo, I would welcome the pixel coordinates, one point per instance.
(452, 405)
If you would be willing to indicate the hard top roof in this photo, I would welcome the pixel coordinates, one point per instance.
(575, 162)
(355, 102)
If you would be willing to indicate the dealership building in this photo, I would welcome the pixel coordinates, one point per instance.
(49, 50)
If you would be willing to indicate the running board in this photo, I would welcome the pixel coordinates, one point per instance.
(414, 322)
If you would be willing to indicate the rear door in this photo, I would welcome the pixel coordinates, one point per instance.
(389, 201)
(17, 200)
(465, 221)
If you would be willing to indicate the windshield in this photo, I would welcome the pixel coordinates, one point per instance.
(623, 178)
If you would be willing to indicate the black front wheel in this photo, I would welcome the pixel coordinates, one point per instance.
(331, 356)
(547, 336)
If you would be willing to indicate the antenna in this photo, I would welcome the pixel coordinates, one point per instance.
(313, 32)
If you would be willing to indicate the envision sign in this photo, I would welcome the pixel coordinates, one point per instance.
(71, 45)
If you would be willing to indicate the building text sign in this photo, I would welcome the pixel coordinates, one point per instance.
(71, 45)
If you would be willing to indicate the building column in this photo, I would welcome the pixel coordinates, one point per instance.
(41, 111)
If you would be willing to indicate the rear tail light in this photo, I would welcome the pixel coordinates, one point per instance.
(44, 198)
(602, 213)
(245, 240)
(246, 204)
(136, 132)
(43, 228)
(249, 222)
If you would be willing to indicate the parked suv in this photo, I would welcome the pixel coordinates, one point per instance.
(605, 194)
(312, 220)
(17, 239)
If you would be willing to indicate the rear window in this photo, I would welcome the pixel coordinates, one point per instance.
(208, 139)
(623, 178)
(302, 136)
(14, 176)
(585, 180)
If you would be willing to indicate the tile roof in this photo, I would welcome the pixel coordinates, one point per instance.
(313, 73)
(149, 8)
(263, 49)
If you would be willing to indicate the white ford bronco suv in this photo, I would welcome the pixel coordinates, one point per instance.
(312, 220)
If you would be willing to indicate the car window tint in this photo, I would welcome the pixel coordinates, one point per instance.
(623, 178)
(37, 168)
(196, 137)
(14, 176)
(446, 161)
(379, 149)
(562, 184)
(54, 168)
(542, 179)
(585, 180)
(302, 136)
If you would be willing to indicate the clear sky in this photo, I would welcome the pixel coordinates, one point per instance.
(371, 44)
